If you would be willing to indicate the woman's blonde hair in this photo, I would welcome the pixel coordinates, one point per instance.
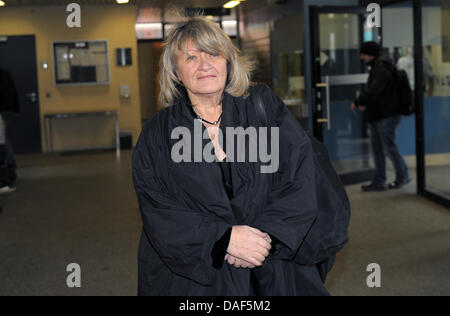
(207, 36)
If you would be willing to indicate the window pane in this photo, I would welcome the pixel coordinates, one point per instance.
(436, 39)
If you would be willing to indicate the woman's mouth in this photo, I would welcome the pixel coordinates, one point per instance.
(206, 77)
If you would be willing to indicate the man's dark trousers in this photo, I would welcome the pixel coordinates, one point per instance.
(382, 135)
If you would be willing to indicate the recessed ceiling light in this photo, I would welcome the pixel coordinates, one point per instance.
(122, 1)
(231, 4)
(2, 3)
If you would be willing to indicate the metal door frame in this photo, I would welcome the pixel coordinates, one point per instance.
(36, 79)
(314, 75)
(420, 114)
(316, 114)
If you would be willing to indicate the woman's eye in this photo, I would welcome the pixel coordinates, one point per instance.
(191, 58)
(214, 55)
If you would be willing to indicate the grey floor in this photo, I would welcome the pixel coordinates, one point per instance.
(438, 179)
(82, 209)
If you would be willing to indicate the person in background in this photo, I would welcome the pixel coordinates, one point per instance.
(9, 102)
(381, 102)
(406, 63)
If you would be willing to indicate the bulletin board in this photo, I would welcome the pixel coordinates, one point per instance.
(81, 63)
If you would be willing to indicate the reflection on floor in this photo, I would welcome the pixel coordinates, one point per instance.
(82, 209)
(438, 179)
(70, 209)
(408, 236)
(352, 165)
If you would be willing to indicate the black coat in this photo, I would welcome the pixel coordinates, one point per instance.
(380, 95)
(185, 208)
(9, 100)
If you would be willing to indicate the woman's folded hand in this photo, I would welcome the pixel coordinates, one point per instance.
(238, 263)
(248, 245)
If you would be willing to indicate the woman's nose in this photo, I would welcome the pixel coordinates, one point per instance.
(204, 62)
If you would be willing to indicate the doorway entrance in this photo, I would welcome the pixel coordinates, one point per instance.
(149, 56)
(338, 77)
(19, 59)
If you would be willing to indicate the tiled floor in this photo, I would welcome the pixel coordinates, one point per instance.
(83, 209)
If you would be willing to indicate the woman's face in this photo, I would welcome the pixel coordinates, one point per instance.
(202, 73)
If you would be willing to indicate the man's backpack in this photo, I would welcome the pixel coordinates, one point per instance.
(329, 232)
(405, 93)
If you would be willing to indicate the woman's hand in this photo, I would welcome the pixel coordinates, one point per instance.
(238, 263)
(249, 244)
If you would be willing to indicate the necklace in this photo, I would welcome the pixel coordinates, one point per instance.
(208, 122)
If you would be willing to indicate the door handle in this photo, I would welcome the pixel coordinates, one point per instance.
(326, 85)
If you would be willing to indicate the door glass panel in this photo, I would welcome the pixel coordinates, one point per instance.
(288, 65)
(344, 131)
(398, 44)
(436, 41)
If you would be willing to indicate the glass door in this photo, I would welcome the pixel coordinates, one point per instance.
(339, 76)
(435, 83)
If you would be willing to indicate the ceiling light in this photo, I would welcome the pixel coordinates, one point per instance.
(231, 4)
(2, 3)
(122, 1)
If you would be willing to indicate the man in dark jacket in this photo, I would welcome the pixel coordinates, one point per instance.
(380, 101)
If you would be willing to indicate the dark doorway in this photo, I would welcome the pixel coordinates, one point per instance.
(18, 56)
(149, 56)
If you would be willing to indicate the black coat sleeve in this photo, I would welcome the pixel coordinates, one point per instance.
(220, 249)
(183, 238)
(291, 208)
(378, 81)
(9, 98)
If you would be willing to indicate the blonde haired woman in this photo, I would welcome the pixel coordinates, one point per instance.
(223, 227)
